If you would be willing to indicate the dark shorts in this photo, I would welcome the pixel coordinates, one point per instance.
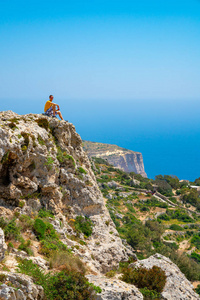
(49, 112)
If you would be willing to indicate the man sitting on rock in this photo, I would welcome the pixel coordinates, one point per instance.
(50, 108)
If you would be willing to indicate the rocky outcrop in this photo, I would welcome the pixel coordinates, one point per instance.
(177, 287)
(19, 287)
(127, 160)
(114, 289)
(43, 165)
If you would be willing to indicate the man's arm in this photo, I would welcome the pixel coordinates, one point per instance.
(54, 104)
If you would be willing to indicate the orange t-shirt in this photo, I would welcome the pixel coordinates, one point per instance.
(47, 105)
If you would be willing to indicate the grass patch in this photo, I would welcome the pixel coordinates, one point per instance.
(81, 170)
(40, 140)
(49, 162)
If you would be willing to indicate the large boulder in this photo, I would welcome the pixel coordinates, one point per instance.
(177, 286)
(114, 289)
(19, 287)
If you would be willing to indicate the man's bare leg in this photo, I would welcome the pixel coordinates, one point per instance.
(54, 110)
(60, 115)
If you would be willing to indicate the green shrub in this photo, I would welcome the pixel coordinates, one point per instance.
(176, 227)
(197, 290)
(63, 285)
(43, 213)
(192, 197)
(195, 256)
(10, 246)
(25, 246)
(49, 246)
(81, 170)
(49, 162)
(3, 223)
(40, 140)
(12, 231)
(49, 238)
(196, 240)
(153, 279)
(26, 222)
(149, 294)
(83, 225)
(39, 229)
(5, 157)
(21, 204)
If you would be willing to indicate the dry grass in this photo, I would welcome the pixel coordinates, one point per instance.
(66, 261)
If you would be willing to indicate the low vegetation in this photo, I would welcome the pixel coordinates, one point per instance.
(130, 209)
(69, 283)
(150, 281)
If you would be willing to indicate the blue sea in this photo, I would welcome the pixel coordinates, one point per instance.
(167, 133)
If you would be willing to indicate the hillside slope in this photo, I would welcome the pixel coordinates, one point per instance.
(57, 228)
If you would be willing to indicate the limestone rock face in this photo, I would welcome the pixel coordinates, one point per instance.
(3, 245)
(19, 287)
(114, 289)
(42, 164)
(127, 160)
(177, 287)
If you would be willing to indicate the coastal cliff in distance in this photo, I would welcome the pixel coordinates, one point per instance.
(127, 160)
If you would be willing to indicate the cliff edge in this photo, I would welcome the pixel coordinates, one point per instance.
(127, 160)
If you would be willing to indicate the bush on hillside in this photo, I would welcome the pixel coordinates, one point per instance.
(164, 187)
(192, 197)
(12, 231)
(63, 285)
(153, 279)
(196, 240)
(195, 256)
(176, 227)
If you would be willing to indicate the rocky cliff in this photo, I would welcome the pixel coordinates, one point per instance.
(43, 165)
(42, 162)
(127, 160)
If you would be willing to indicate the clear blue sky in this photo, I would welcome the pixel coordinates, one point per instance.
(123, 49)
(124, 72)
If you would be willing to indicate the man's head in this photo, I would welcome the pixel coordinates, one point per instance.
(51, 97)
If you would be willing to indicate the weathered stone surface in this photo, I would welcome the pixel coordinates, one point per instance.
(43, 162)
(19, 287)
(177, 286)
(114, 289)
(3, 245)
